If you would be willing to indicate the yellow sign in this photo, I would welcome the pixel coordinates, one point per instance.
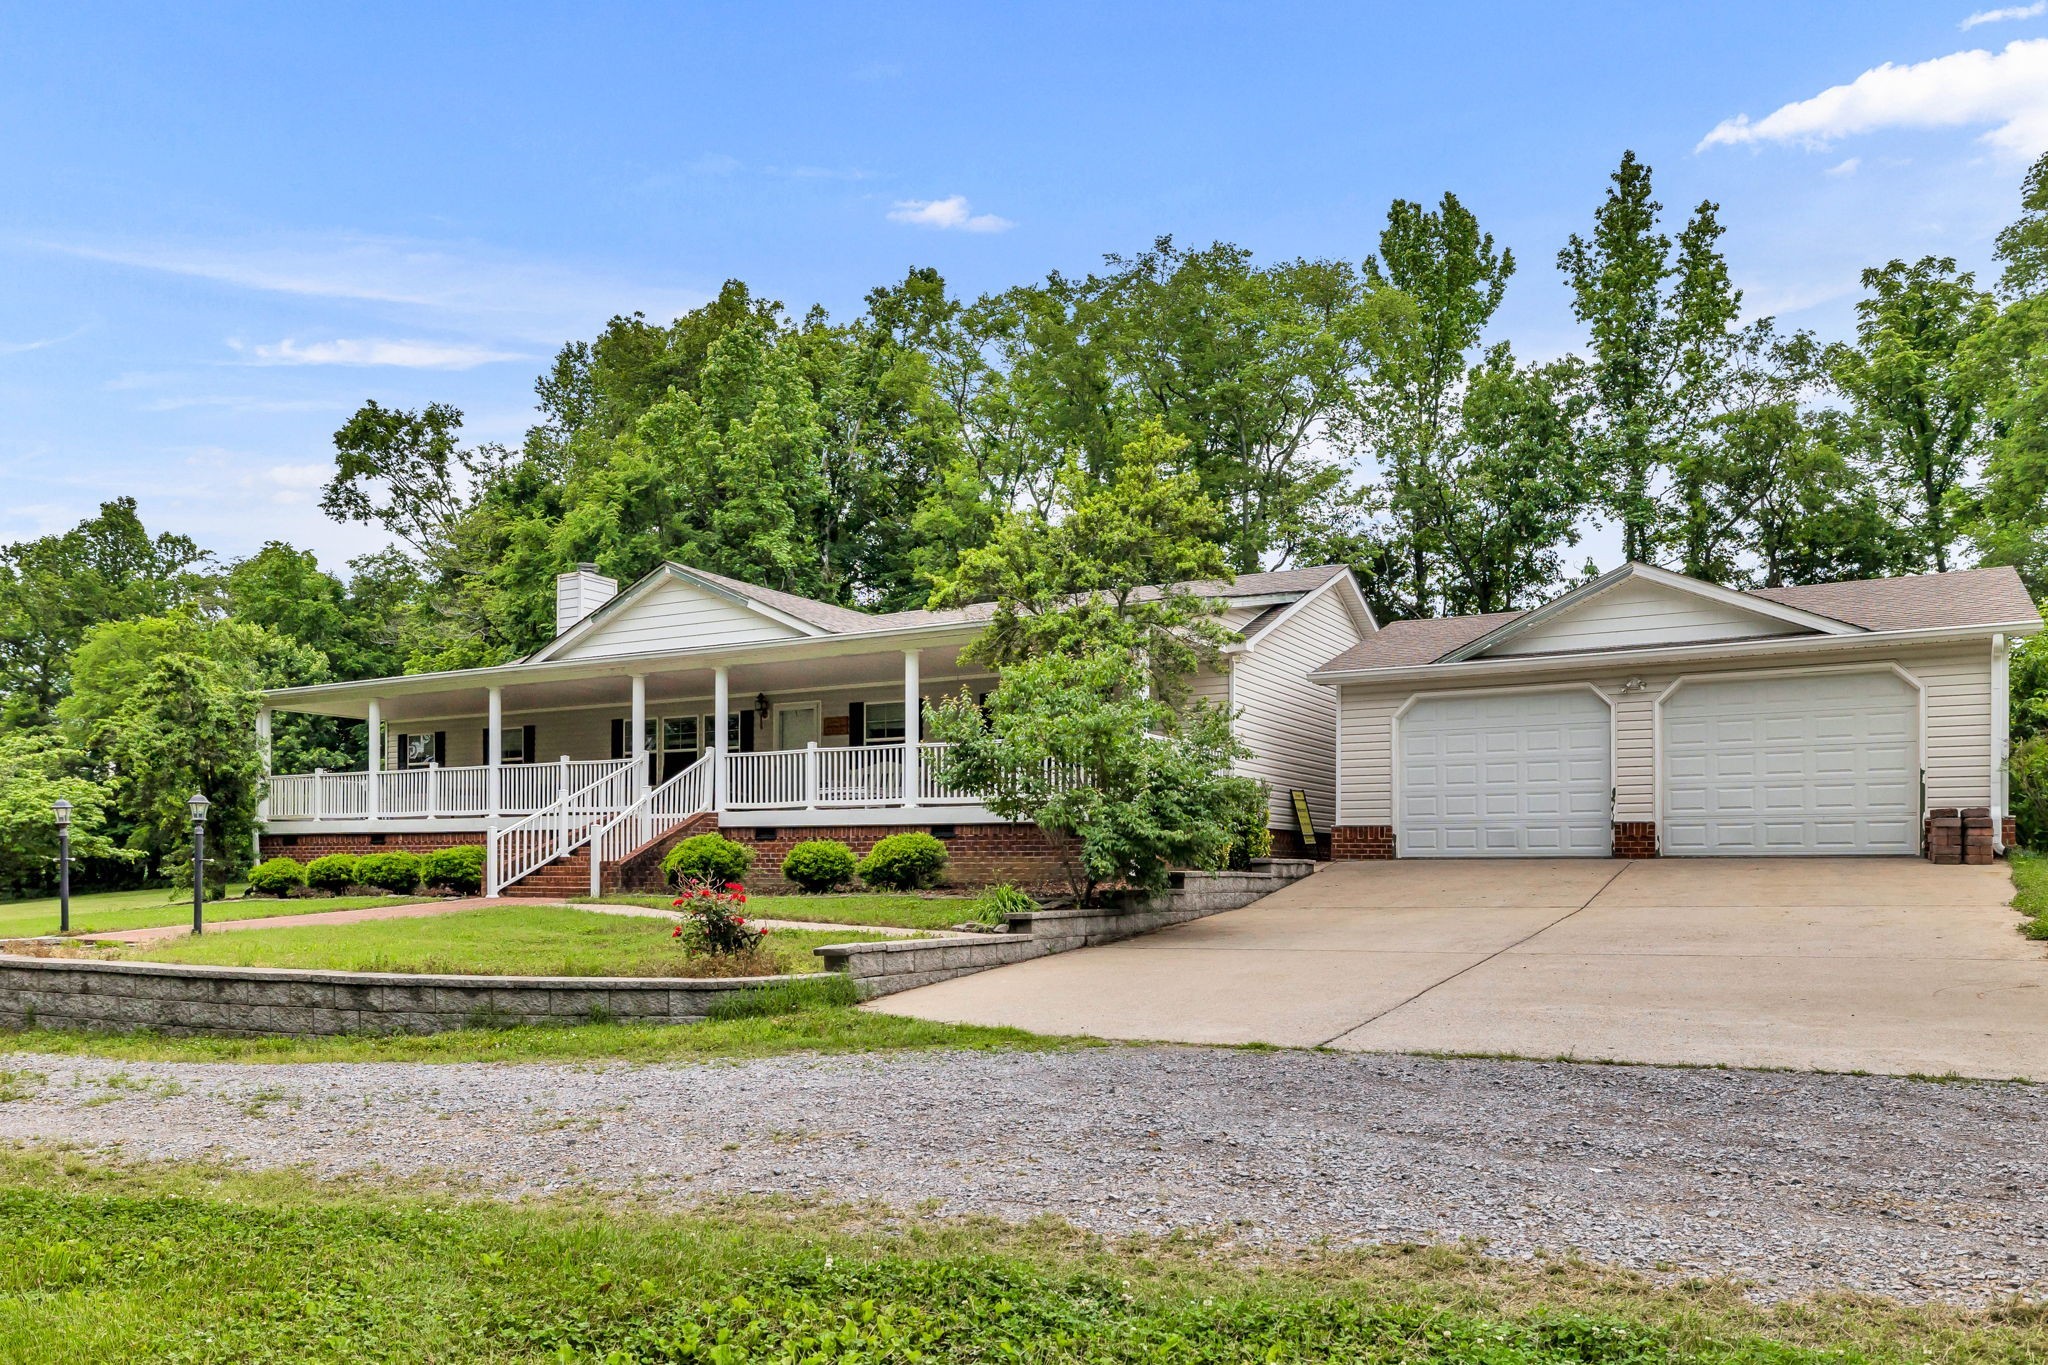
(1303, 821)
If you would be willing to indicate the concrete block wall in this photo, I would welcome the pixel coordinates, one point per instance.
(905, 964)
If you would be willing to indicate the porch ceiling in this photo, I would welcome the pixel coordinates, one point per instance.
(422, 698)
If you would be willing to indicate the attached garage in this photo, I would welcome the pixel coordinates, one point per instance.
(1513, 774)
(1791, 763)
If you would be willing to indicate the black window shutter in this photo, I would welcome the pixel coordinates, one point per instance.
(402, 747)
(441, 747)
(856, 723)
(483, 744)
(618, 738)
(527, 731)
(746, 732)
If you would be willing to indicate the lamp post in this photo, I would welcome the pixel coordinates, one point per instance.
(198, 803)
(62, 810)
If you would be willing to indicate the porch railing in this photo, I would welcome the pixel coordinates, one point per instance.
(816, 778)
(667, 806)
(520, 849)
(432, 791)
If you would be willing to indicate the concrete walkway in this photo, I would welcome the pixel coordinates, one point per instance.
(1879, 964)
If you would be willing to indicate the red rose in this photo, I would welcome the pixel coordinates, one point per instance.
(733, 886)
(739, 919)
(678, 932)
(677, 901)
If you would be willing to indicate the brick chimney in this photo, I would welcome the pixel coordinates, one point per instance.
(579, 593)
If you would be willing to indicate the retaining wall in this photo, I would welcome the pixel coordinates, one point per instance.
(248, 1001)
(884, 968)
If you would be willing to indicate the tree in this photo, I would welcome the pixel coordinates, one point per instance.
(1411, 405)
(1919, 407)
(1086, 735)
(1660, 317)
(2009, 359)
(55, 588)
(37, 770)
(404, 471)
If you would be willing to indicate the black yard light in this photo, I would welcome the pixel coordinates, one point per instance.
(199, 804)
(62, 810)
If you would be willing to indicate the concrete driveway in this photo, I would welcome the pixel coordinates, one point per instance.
(1840, 964)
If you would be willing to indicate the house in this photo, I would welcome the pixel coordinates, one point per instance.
(1648, 713)
(694, 701)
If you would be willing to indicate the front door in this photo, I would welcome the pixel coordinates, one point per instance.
(796, 725)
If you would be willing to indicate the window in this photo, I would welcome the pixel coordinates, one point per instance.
(679, 734)
(512, 745)
(417, 751)
(883, 721)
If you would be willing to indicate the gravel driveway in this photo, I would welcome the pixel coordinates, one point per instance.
(1794, 1181)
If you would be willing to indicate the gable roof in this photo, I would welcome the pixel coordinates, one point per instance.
(1960, 599)
(824, 618)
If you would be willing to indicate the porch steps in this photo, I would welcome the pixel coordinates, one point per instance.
(562, 879)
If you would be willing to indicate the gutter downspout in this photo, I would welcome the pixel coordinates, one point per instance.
(2001, 738)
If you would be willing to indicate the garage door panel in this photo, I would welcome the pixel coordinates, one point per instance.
(1818, 764)
(1541, 785)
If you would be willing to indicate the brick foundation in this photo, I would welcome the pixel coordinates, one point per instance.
(2009, 835)
(976, 855)
(1635, 838)
(1288, 843)
(306, 847)
(1362, 841)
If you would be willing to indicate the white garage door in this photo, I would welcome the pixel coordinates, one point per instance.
(1819, 764)
(1514, 775)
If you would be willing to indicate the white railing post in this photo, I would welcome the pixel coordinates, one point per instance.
(562, 809)
(636, 742)
(811, 775)
(913, 714)
(373, 764)
(721, 699)
(319, 793)
(433, 789)
(494, 755)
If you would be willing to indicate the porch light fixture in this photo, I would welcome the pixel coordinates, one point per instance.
(761, 708)
(61, 809)
(198, 803)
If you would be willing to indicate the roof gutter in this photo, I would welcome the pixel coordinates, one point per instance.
(1523, 666)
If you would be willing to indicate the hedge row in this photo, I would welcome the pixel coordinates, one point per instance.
(459, 870)
(901, 862)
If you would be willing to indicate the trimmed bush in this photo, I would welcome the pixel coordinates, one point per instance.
(396, 871)
(1249, 835)
(277, 877)
(904, 862)
(819, 865)
(336, 872)
(459, 869)
(707, 857)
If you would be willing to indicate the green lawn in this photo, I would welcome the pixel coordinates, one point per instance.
(2030, 895)
(103, 1262)
(896, 911)
(537, 940)
(105, 911)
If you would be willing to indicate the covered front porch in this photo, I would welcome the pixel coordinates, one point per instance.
(543, 759)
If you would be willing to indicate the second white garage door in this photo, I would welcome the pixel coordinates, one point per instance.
(1515, 775)
(1825, 763)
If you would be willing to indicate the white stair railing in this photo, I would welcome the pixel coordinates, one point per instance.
(673, 803)
(557, 830)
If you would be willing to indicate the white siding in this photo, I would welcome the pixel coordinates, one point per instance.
(1288, 722)
(1957, 686)
(1635, 612)
(677, 615)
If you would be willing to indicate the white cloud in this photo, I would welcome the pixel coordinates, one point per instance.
(2008, 90)
(1845, 167)
(1999, 16)
(950, 212)
(41, 344)
(410, 355)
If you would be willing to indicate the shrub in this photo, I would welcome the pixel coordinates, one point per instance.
(904, 862)
(336, 872)
(2028, 766)
(819, 865)
(397, 871)
(712, 922)
(459, 869)
(996, 904)
(707, 857)
(277, 877)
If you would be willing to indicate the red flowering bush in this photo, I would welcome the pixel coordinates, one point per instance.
(715, 923)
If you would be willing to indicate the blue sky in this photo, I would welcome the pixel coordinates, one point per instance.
(225, 227)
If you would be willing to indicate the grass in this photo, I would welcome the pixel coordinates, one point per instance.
(539, 940)
(2030, 891)
(101, 912)
(889, 909)
(102, 1261)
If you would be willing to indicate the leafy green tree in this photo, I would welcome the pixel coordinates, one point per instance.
(2009, 359)
(36, 771)
(1660, 317)
(1919, 406)
(56, 588)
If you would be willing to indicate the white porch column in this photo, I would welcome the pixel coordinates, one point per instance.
(721, 702)
(913, 714)
(636, 747)
(263, 802)
(374, 735)
(494, 750)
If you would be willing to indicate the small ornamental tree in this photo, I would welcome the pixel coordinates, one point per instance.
(1100, 622)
